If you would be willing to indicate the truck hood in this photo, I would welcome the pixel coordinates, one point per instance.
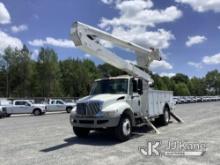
(101, 97)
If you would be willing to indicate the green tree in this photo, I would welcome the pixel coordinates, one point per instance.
(48, 73)
(180, 78)
(159, 83)
(19, 71)
(108, 70)
(181, 90)
(213, 82)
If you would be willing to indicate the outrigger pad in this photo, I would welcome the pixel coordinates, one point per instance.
(177, 118)
(152, 126)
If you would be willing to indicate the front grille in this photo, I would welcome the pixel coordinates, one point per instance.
(88, 109)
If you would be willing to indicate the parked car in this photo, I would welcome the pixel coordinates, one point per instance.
(25, 107)
(60, 105)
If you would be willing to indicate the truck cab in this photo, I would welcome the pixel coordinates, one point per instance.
(119, 103)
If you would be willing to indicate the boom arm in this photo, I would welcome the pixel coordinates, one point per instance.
(85, 36)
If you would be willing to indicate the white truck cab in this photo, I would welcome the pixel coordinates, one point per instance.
(59, 105)
(25, 107)
(121, 103)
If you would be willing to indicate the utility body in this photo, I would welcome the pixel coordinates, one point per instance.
(123, 102)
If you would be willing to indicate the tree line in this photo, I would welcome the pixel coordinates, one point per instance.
(21, 76)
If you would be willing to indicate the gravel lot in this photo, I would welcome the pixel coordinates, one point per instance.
(49, 140)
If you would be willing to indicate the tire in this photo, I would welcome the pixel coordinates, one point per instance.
(68, 109)
(124, 129)
(37, 112)
(165, 118)
(81, 132)
(8, 115)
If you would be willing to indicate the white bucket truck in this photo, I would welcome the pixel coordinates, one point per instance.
(122, 102)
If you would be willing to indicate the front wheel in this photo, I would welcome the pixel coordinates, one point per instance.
(81, 132)
(123, 130)
(68, 109)
(37, 112)
(8, 115)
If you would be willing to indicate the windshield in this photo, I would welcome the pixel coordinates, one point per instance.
(113, 86)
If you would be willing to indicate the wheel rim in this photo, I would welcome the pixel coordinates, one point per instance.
(166, 115)
(126, 127)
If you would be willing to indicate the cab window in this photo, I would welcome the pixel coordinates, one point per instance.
(135, 86)
(59, 102)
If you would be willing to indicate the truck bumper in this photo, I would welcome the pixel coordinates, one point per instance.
(93, 123)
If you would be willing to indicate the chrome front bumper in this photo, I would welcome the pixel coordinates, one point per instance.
(93, 123)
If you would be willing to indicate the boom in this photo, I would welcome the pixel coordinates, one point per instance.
(88, 38)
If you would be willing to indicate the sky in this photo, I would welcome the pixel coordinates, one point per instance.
(187, 32)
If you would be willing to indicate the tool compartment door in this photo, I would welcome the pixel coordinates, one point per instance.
(156, 101)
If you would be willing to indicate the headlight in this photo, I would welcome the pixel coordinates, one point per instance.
(71, 119)
(110, 113)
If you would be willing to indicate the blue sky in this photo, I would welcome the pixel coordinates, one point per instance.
(187, 32)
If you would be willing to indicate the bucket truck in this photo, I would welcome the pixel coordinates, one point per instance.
(123, 102)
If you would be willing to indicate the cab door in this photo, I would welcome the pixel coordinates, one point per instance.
(60, 105)
(21, 107)
(135, 96)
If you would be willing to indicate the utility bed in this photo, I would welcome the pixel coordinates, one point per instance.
(156, 101)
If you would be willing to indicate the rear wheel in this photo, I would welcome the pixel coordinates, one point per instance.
(165, 118)
(123, 130)
(81, 132)
(37, 112)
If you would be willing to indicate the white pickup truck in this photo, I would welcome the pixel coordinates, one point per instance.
(60, 105)
(24, 107)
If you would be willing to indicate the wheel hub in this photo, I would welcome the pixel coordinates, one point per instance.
(126, 127)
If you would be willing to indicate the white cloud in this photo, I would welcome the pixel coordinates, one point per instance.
(107, 1)
(194, 64)
(159, 39)
(203, 5)
(53, 42)
(6, 41)
(5, 17)
(87, 56)
(193, 40)
(214, 59)
(160, 65)
(139, 12)
(135, 17)
(218, 27)
(163, 74)
(20, 28)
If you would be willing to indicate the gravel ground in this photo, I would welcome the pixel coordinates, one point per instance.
(49, 140)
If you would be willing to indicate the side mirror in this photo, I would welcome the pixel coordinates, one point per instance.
(140, 87)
